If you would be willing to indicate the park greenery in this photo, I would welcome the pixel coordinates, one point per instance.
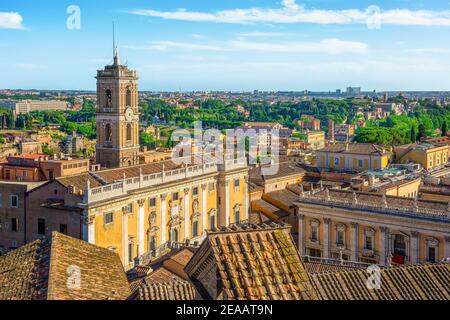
(426, 120)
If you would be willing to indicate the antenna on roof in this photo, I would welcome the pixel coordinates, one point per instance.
(114, 39)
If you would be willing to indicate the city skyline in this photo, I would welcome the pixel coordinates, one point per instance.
(233, 46)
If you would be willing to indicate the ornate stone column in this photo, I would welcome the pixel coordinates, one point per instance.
(124, 236)
(140, 227)
(163, 215)
(326, 237)
(447, 247)
(204, 208)
(246, 200)
(91, 229)
(301, 234)
(227, 203)
(354, 241)
(186, 213)
(383, 247)
(414, 248)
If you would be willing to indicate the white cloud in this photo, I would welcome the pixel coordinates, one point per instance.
(11, 20)
(291, 12)
(327, 46)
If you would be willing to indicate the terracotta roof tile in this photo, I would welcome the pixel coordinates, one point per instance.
(42, 270)
(417, 282)
(257, 262)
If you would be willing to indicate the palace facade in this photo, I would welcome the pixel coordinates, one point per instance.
(372, 228)
(141, 210)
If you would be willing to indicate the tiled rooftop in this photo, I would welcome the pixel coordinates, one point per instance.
(255, 262)
(419, 282)
(44, 269)
(356, 148)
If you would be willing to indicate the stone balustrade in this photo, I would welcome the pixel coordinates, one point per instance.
(120, 188)
(423, 213)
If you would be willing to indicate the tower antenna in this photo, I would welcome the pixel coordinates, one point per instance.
(114, 39)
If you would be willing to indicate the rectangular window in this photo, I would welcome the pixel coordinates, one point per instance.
(237, 183)
(109, 218)
(368, 244)
(63, 228)
(41, 227)
(14, 201)
(130, 252)
(195, 191)
(360, 163)
(195, 228)
(340, 238)
(14, 224)
(432, 254)
(314, 235)
(152, 202)
(211, 187)
(175, 196)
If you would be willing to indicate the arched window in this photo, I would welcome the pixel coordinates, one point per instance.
(128, 98)
(108, 132)
(108, 99)
(128, 132)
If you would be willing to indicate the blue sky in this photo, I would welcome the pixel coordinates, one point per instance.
(230, 45)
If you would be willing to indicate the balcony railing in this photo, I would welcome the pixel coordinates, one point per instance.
(347, 263)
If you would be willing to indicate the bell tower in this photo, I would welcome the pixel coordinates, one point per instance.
(117, 115)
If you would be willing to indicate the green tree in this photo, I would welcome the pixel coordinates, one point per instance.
(444, 128)
(422, 133)
(413, 134)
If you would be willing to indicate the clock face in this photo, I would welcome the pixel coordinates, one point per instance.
(129, 114)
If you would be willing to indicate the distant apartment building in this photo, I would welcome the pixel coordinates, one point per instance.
(344, 132)
(355, 157)
(377, 113)
(353, 91)
(73, 143)
(39, 167)
(309, 122)
(30, 147)
(26, 106)
(265, 134)
(315, 140)
(391, 108)
(429, 156)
